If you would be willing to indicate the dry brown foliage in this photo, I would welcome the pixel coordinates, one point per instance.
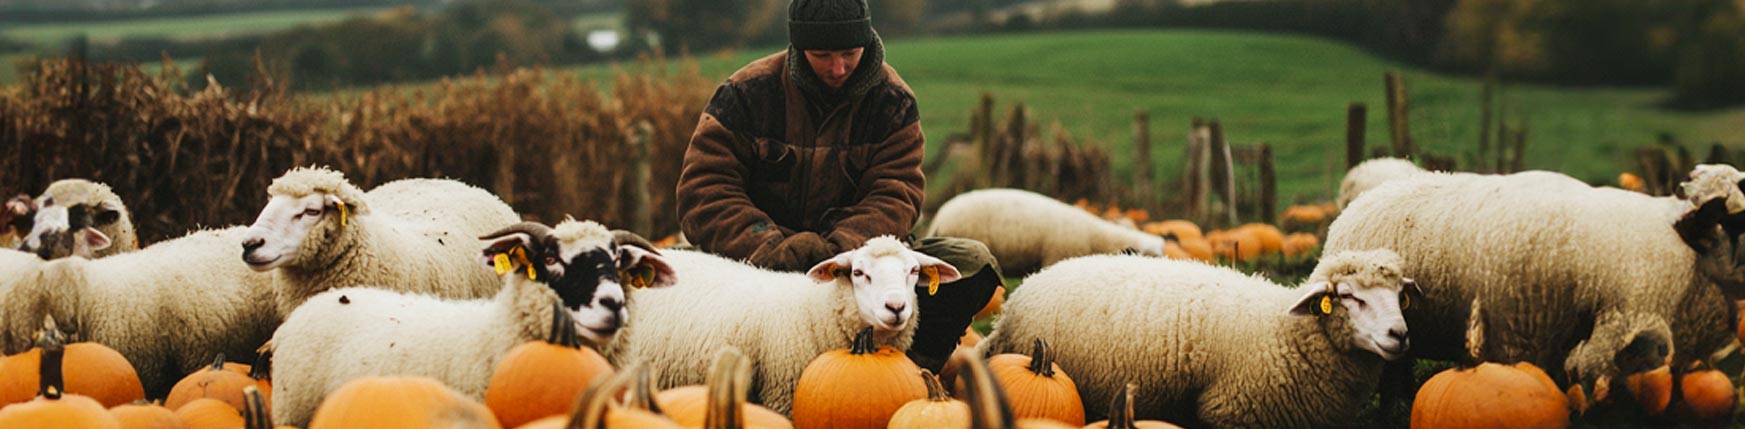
(550, 145)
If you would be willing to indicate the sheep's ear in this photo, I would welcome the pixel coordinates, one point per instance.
(90, 240)
(947, 273)
(502, 244)
(644, 267)
(106, 216)
(832, 268)
(1410, 286)
(1317, 300)
(341, 206)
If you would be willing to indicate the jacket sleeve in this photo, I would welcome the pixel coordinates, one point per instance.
(893, 185)
(715, 212)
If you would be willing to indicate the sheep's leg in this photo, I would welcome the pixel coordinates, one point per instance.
(1620, 345)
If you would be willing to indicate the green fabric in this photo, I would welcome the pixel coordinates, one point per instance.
(968, 256)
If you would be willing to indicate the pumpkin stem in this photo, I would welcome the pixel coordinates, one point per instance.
(218, 363)
(563, 328)
(863, 343)
(591, 407)
(53, 349)
(727, 382)
(263, 367)
(935, 388)
(642, 392)
(254, 409)
(988, 407)
(1121, 409)
(1042, 359)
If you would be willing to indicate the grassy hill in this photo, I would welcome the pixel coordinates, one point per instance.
(1288, 91)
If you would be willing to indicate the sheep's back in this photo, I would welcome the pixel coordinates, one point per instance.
(443, 203)
(1544, 250)
(1171, 326)
(1022, 229)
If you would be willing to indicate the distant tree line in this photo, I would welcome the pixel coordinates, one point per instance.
(1696, 46)
(62, 11)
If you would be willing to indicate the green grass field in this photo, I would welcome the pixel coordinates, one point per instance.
(50, 36)
(1288, 91)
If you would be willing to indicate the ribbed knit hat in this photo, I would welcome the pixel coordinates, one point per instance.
(829, 24)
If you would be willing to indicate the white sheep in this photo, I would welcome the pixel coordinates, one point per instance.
(1576, 279)
(70, 205)
(1373, 173)
(419, 235)
(779, 320)
(348, 333)
(169, 308)
(1027, 231)
(1210, 345)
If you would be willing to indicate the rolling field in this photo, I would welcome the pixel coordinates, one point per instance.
(1288, 91)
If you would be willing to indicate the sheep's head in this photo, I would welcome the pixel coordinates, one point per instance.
(1366, 292)
(305, 208)
(586, 265)
(884, 274)
(66, 216)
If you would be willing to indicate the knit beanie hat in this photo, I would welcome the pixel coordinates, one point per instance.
(829, 24)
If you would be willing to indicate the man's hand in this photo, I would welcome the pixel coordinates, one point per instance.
(798, 253)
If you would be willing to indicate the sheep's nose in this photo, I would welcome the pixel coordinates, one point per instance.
(251, 244)
(1398, 334)
(611, 303)
(896, 307)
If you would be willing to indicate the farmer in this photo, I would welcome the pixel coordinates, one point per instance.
(811, 151)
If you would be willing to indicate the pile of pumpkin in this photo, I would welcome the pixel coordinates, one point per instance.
(1245, 243)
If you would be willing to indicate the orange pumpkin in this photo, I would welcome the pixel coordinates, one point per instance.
(860, 387)
(1300, 243)
(208, 413)
(55, 408)
(970, 338)
(1303, 215)
(938, 410)
(598, 406)
(1708, 396)
(1182, 229)
(1174, 250)
(1271, 239)
(1199, 249)
(92, 370)
(1234, 245)
(1491, 395)
(1632, 182)
(1652, 389)
(215, 382)
(1121, 414)
(987, 404)
(1037, 387)
(720, 404)
(994, 303)
(399, 402)
(543, 378)
(142, 415)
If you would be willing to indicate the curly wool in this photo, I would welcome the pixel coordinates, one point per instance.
(1550, 258)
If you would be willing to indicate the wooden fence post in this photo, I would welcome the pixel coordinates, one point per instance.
(1356, 115)
(1520, 161)
(1268, 186)
(1198, 169)
(641, 214)
(1223, 170)
(1142, 160)
(1397, 113)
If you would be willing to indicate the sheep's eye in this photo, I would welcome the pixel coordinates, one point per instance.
(1405, 300)
(915, 271)
(312, 212)
(551, 260)
(859, 273)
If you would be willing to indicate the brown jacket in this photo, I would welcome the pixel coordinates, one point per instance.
(762, 166)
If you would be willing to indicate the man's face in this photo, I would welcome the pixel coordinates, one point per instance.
(834, 67)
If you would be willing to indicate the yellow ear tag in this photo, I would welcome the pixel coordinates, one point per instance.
(521, 257)
(342, 214)
(1326, 304)
(501, 261)
(640, 277)
(932, 279)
